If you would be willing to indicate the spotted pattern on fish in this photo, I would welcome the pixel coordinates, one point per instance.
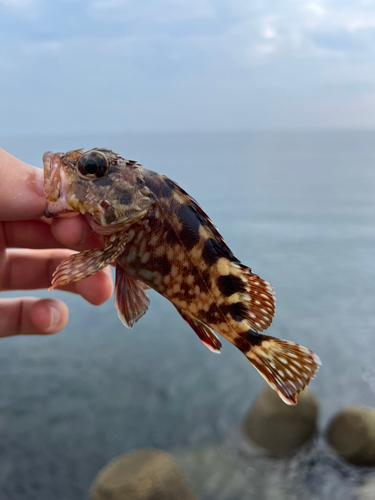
(173, 247)
(180, 234)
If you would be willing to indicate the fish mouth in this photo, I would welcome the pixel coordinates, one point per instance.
(55, 187)
(51, 167)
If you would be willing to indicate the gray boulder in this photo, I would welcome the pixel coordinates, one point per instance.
(351, 433)
(212, 473)
(279, 428)
(366, 491)
(141, 475)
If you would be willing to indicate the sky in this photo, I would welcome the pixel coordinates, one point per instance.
(109, 66)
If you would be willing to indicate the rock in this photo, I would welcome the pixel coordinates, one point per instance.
(218, 472)
(212, 473)
(367, 490)
(280, 428)
(351, 433)
(141, 475)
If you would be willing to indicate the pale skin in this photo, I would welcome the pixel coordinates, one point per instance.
(31, 248)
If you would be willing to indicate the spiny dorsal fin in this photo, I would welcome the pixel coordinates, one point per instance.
(287, 367)
(201, 216)
(131, 300)
(205, 333)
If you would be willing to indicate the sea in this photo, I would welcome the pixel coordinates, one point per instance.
(296, 207)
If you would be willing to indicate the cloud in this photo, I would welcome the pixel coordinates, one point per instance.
(24, 9)
(159, 11)
(315, 8)
(307, 28)
(184, 65)
(19, 4)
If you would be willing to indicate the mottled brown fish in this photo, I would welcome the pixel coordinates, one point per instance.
(159, 237)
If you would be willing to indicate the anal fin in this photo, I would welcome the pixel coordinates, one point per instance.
(204, 332)
(131, 300)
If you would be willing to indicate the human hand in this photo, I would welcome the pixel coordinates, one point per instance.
(30, 250)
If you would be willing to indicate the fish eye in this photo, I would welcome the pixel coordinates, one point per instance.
(93, 165)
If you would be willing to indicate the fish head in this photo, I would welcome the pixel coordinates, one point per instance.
(107, 189)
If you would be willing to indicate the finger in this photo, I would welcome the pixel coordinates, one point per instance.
(74, 233)
(30, 316)
(27, 234)
(34, 234)
(95, 289)
(21, 189)
(33, 269)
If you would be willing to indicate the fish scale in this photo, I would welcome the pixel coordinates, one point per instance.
(159, 237)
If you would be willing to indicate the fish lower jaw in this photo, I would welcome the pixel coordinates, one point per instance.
(59, 208)
(100, 228)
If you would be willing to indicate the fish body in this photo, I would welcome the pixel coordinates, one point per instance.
(160, 238)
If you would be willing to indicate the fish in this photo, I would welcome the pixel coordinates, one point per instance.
(157, 236)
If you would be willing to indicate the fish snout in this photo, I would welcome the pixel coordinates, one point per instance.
(55, 187)
(51, 167)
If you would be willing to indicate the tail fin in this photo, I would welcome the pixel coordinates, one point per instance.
(287, 367)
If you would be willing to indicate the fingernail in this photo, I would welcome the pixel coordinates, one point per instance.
(55, 317)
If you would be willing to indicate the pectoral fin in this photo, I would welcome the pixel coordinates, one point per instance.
(204, 332)
(82, 265)
(131, 300)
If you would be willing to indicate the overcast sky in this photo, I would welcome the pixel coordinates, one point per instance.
(185, 65)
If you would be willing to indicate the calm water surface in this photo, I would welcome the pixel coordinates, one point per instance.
(299, 209)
